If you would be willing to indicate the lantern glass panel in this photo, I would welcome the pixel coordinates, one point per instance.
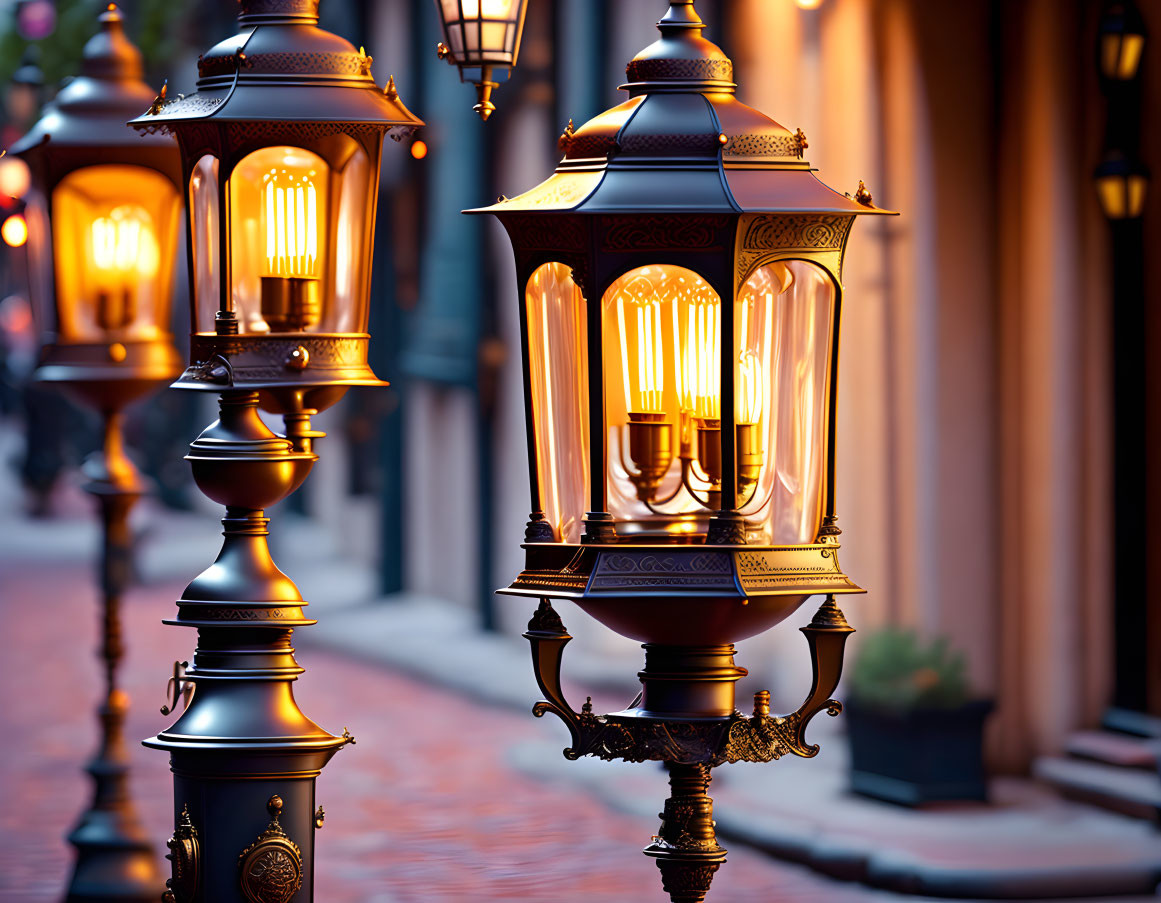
(110, 225)
(39, 250)
(481, 31)
(298, 231)
(783, 327)
(662, 341)
(558, 361)
(204, 224)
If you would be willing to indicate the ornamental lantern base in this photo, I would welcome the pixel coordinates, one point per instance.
(685, 717)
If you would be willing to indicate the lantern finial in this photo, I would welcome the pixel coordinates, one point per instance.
(680, 14)
(109, 54)
(300, 12)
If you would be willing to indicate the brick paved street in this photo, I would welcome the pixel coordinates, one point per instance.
(423, 808)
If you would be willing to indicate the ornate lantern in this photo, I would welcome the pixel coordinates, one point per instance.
(1122, 187)
(482, 39)
(1122, 40)
(680, 322)
(280, 148)
(102, 218)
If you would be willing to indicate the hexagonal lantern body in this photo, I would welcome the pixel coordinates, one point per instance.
(280, 149)
(681, 279)
(103, 224)
(482, 39)
(682, 291)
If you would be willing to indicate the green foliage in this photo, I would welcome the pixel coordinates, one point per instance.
(152, 24)
(896, 670)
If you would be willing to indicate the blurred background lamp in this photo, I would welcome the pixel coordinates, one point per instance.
(482, 38)
(680, 374)
(1122, 187)
(14, 231)
(103, 208)
(1122, 40)
(15, 178)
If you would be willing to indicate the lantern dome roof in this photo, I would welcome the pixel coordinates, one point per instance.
(281, 67)
(682, 142)
(91, 109)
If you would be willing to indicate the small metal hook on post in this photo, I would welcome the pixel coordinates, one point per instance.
(177, 689)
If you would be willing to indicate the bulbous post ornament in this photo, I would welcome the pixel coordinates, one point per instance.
(281, 147)
(679, 331)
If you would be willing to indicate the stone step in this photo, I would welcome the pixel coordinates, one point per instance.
(1130, 791)
(1115, 749)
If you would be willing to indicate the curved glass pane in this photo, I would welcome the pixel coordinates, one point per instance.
(203, 214)
(114, 233)
(558, 362)
(783, 326)
(299, 238)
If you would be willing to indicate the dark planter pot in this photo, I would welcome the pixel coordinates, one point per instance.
(918, 756)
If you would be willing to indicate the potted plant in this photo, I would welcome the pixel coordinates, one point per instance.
(916, 735)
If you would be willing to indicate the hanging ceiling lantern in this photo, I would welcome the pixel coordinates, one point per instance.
(482, 38)
(681, 297)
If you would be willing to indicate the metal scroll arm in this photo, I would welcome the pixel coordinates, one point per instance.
(827, 635)
(547, 637)
(591, 734)
(762, 736)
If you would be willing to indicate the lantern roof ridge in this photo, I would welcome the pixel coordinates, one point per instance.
(91, 109)
(683, 142)
(280, 66)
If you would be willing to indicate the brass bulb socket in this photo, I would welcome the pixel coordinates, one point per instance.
(747, 446)
(291, 303)
(651, 451)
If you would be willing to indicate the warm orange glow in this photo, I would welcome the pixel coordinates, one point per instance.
(418, 149)
(15, 178)
(700, 370)
(643, 358)
(290, 222)
(808, 4)
(1121, 55)
(114, 230)
(14, 231)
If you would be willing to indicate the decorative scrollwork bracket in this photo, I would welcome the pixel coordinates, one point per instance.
(760, 737)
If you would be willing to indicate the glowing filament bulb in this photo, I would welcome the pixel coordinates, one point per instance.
(701, 357)
(290, 224)
(646, 394)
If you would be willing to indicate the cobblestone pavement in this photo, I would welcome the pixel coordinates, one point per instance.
(423, 808)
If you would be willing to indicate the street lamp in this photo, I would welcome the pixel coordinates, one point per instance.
(102, 224)
(681, 274)
(281, 147)
(1121, 42)
(482, 39)
(1122, 186)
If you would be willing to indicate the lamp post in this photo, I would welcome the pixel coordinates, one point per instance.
(281, 147)
(1122, 186)
(103, 222)
(482, 39)
(680, 323)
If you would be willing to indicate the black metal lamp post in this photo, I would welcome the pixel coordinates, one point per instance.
(103, 224)
(680, 323)
(481, 38)
(281, 148)
(1122, 186)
